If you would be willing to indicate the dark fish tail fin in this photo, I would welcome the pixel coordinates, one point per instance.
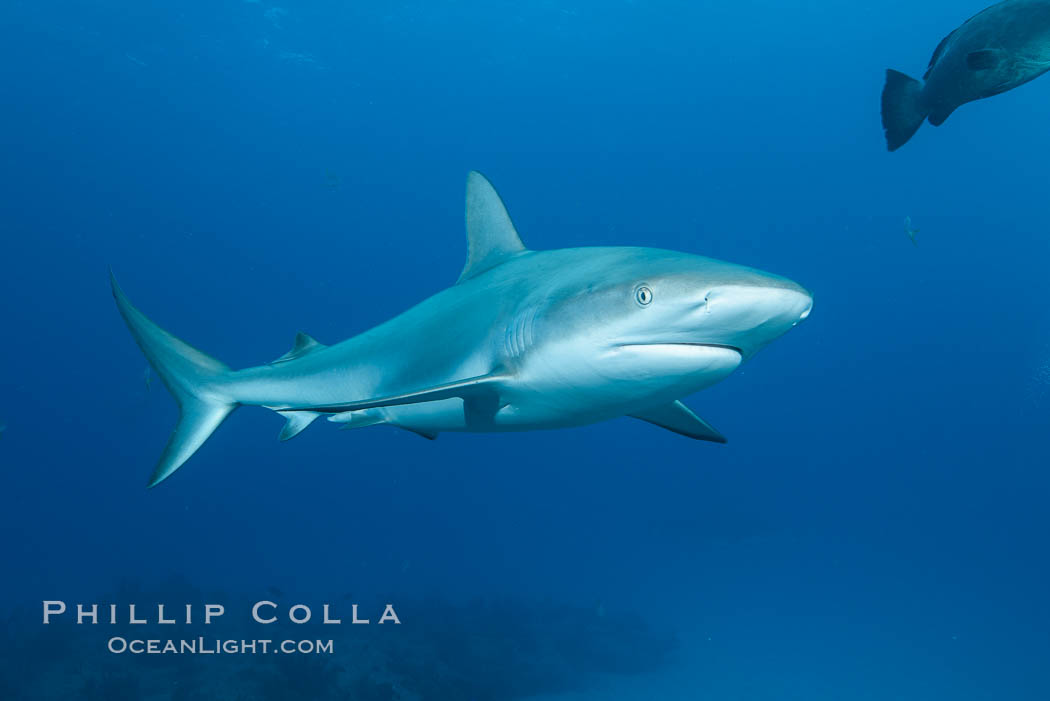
(902, 111)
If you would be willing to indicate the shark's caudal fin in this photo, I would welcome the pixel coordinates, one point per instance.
(193, 378)
(902, 112)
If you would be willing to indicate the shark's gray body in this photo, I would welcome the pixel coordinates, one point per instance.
(1000, 48)
(525, 340)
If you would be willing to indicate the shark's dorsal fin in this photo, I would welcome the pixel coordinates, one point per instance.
(679, 418)
(304, 344)
(491, 238)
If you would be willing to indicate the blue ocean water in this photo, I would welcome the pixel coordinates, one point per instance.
(875, 528)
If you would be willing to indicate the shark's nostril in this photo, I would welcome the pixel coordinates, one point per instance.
(805, 312)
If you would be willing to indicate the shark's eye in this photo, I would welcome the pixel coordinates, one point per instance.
(644, 295)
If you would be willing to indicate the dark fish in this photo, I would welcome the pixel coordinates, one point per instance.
(1004, 46)
(911, 230)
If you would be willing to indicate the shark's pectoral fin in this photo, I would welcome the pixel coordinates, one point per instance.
(296, 424)
(482, 386)
(679, 418)
(304, 344)
(491, 237)
(983, 60)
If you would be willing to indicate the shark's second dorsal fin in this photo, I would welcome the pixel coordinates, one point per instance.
(491, 238)
(304, 344)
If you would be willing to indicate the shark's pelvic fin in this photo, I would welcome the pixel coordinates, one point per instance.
(194, 379)
(373, 417)
(480, 386)
(679, 418)
(304, 344)
(491, 238)
(296, 424)
(358, 419)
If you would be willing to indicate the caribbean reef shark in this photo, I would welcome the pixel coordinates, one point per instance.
(1000, 48)
(524, 340)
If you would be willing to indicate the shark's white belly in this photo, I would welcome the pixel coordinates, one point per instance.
(565, 394)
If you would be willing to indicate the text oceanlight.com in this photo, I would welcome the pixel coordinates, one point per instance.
(205, 646)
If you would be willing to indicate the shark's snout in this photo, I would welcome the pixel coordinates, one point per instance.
(801, 305)
(750, 316)
(805, 312)
(784, 305)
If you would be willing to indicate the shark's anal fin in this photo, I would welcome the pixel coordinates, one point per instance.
(304, 344)
(480, 386)
(679, 418)
(491, 237)
(297, 423)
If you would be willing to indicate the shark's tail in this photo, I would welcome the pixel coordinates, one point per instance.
(193, 378)
(902, 112)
